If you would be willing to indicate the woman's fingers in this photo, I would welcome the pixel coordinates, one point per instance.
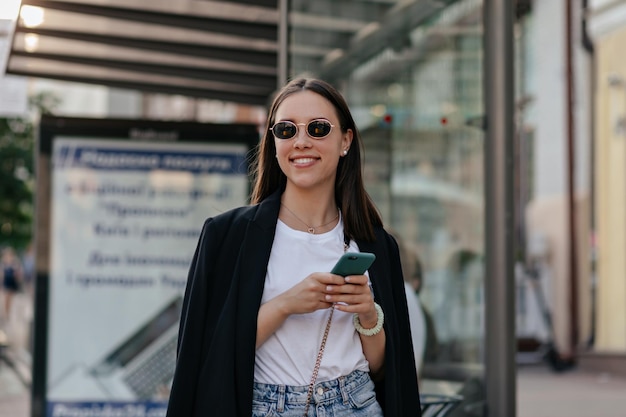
(354, 295)
(321, 290)
(309, 294)
(353, 284)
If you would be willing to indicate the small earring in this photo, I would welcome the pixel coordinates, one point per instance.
(345, 152)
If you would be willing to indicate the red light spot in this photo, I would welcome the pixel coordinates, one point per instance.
(387, 118)
(444, 121)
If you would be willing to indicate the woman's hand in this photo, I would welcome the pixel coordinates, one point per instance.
(307, 296)
(354, 295)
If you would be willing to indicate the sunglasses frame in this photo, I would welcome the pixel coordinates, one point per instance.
(271, 129)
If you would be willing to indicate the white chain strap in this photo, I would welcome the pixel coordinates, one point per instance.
(318, 361)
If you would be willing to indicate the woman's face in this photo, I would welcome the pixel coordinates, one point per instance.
(308, 163)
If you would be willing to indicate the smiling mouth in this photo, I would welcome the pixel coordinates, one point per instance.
(303, 160)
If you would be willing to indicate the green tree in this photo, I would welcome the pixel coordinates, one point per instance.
(17, 179)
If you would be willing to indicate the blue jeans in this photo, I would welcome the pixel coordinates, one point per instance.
(347, 396)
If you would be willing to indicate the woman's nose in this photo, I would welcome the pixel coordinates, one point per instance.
(301, 139)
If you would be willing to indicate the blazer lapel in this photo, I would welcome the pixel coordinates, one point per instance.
(250, 276)
(255, 253)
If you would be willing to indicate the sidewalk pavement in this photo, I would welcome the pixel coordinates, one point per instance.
(15, 359)
(541, 392)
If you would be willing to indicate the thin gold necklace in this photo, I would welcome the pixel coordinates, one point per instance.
(310, 229)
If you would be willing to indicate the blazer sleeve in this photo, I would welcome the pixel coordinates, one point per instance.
(400, 389)
(193, 321)
(407, 364)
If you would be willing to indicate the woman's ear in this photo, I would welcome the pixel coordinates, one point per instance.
(346, 142)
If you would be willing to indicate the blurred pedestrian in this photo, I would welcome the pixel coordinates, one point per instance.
(265, 328)
(431, 346)
(28, 265)
(11, 271)
(425, 333)
(417, 320)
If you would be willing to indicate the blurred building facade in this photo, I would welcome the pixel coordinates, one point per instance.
(607, 26)
(412, 74)
(555, 172)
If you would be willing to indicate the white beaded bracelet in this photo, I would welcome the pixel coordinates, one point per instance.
(380, 319)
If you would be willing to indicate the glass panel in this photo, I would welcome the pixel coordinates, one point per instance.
(412, 75)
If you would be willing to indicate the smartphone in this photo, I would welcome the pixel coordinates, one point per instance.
(353, 263)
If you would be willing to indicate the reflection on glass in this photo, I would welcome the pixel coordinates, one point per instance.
(412, 74)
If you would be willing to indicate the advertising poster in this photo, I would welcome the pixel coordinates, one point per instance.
(125, 219)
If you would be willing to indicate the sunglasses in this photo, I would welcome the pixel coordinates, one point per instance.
(317, 129)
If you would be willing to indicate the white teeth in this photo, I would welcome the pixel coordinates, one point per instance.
(303, 160)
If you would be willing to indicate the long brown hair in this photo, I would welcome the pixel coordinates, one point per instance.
(360, 215)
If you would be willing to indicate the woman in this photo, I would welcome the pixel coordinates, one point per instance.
(257, 336)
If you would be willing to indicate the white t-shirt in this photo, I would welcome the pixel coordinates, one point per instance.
(288, 356)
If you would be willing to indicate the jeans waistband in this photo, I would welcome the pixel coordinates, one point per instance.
(322, 391)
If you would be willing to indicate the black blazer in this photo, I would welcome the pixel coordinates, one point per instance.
(216, 344)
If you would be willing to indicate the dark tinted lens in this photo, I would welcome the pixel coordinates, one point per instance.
(318, 128)
(284, 130)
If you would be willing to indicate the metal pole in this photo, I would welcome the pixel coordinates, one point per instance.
(283, 43)
(500, 375)
(571, 180)
(589, 47)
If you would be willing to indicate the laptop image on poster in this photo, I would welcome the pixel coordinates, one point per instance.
(142, 366)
